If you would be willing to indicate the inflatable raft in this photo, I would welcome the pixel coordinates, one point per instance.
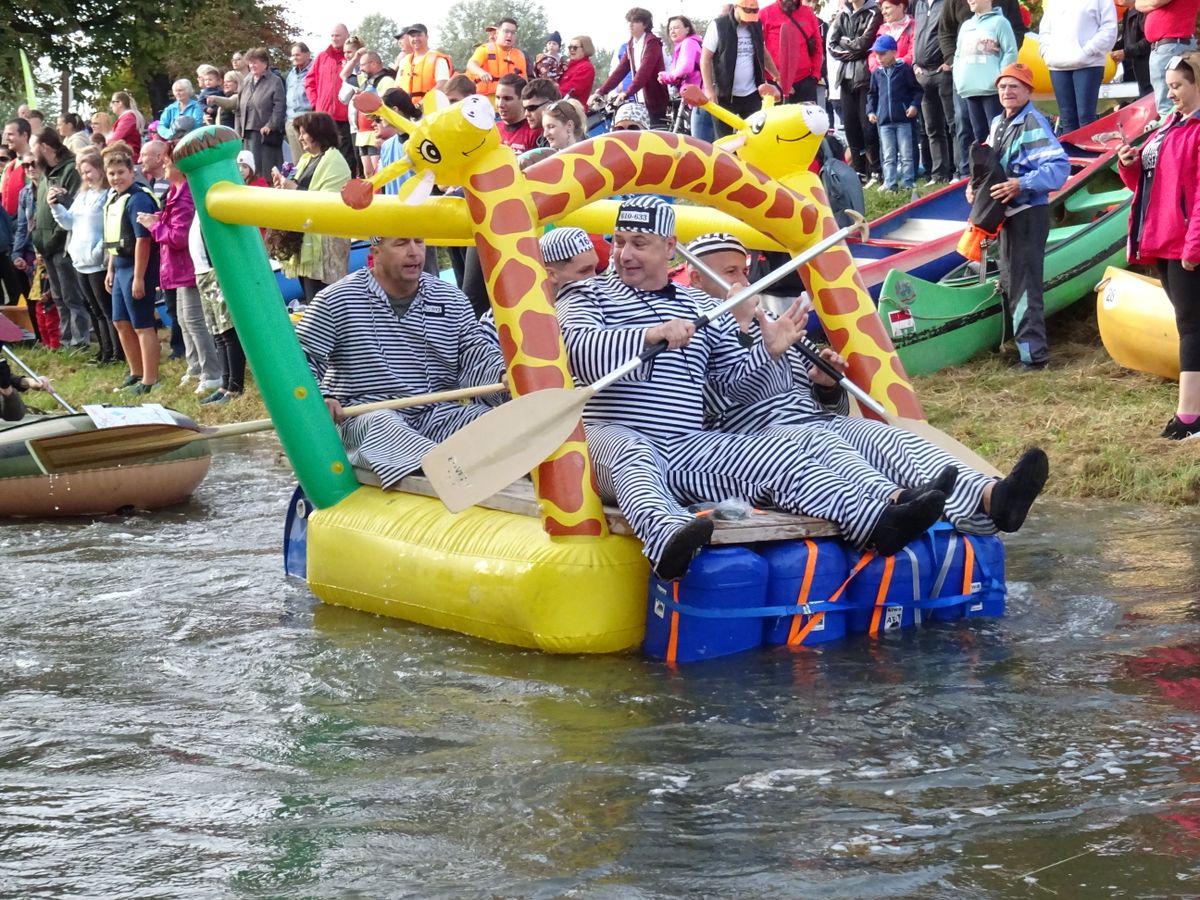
(25, 490)
(544, 564)
(1137, 323)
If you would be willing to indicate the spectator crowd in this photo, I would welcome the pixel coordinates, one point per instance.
(97, 223)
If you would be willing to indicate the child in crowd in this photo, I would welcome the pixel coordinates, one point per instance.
(892, 103)
(209, 79)
(986, 45)
(550, 63)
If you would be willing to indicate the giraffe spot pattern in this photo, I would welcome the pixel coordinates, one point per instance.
(541, 335)
(528, 378)
(498, 179)
(748, 195)
(654, 170)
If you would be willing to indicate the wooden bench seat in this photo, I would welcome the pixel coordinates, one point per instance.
(764, 525)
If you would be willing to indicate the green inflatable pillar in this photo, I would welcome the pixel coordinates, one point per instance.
(208, 156)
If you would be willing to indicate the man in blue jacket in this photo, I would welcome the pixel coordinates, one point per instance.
(1036, 165)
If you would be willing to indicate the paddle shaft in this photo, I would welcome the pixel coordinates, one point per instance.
(32, 374)
(804, 345)
(256, 425)
(740, 297)
(923, 429)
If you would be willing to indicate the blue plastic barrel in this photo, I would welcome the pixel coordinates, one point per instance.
(909, 583)
(720, 581)
(790, 582)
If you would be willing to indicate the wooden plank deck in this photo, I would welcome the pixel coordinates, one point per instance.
(763, 525)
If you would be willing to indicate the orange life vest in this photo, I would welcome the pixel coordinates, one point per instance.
(420, 79)
(498, 63)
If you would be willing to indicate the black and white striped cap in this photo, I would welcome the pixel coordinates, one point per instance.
(559, 244)
(646, 213)
(716, 242)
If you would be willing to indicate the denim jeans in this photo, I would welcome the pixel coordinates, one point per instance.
(963, 136)
(1077, 92)
(1159, 57)
(983, 110)
(896, 144)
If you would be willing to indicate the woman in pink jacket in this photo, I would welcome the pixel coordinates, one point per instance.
(685, 63)
(169, 229)
(1164, 224)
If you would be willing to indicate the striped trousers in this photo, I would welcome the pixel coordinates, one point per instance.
(908, 460)
(813, 473)
(391, 442)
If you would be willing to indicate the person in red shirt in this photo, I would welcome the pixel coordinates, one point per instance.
(1171, 30)
(792, 34)
(16, 138)
(322, 84)
(515, 130)
(129, 123)
(580, 76)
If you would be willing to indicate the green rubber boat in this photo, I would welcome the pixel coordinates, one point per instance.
(946, 323)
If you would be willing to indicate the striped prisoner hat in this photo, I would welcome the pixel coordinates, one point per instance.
(716, 242)
(560, 244)
(646, 213)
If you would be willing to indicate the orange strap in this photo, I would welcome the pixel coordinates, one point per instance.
(797, 636)
(673, 640)
(968, 565)
(889, 565)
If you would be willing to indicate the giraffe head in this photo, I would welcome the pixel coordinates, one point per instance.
(780, 140)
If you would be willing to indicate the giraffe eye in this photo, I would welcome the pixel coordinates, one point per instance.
(429, 152)
(757, 122)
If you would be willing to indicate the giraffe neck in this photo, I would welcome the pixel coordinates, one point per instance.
(502, 214)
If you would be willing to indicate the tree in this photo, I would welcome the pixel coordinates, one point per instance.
(379, 34)
(138, 45)
(463, 31)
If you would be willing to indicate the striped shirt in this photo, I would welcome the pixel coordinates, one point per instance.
(604, 323)
(359, 352)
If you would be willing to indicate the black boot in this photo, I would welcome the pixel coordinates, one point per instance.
(684, 545)
(1013, 495)
(944, 482)
(902, 523)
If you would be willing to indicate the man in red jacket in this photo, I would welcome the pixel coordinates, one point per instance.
(793, 36)
(322, 84)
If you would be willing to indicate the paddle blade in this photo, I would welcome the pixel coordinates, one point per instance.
(499, 447)
(108, 446)
(957, 449)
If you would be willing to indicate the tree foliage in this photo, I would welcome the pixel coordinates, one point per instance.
(139, 45)
(379, 34)
(462, 31)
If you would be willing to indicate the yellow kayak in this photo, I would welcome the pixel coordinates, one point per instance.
(1137, 323)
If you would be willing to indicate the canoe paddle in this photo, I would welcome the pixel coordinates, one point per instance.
(922, 429)
(34, 375)
(130, 443)
(502, 445)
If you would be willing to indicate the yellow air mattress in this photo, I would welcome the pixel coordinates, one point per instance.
(492, 574)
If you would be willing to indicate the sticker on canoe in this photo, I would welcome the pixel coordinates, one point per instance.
(901, 321)
(1111, 296)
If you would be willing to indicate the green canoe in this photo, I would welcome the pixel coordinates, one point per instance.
(945, 323)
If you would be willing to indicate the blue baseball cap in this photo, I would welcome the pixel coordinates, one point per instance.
(884, 43)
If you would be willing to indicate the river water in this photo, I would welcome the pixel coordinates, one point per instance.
(179, 720)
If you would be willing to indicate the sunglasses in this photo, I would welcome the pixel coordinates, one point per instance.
(627, 128)
(534, 107)
(574, 47)
(749, 10)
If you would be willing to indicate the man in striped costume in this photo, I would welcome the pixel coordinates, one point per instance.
(608, 320)
(395, 331)
(975, 503)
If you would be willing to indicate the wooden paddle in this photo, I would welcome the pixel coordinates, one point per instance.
(499, 447)
(130, 443)
(923, 429)
(32, 374)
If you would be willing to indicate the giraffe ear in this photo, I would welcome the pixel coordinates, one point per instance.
(731, 144)
(433, 101)
(416, 191)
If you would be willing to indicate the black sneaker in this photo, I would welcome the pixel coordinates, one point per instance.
(1177, 431)
(1021, 367)
(684, 545)
(944, 482)
(1013, 495)
(902, 523)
